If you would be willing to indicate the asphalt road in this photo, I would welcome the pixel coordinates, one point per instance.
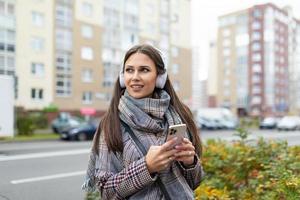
(43, 170)
(55, 169)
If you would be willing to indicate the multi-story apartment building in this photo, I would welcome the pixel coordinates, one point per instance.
(8, 37)
(294, 63)
(253, 60)
(69, 52)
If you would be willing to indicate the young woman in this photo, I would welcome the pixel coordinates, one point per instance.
(146, 102)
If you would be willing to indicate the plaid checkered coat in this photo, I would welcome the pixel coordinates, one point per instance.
(125, 175)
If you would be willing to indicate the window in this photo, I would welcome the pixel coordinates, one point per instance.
(87, 97)
(87, 75)
(175, 68)
(256, 100)
(86, 31)
(175, 52)
(63, 85)
(242, 40)
(226, 92)
(37, 44)
(164, 25)
(63, 61)
(256, 79)
(256, 46)
(257, 13)
(63, 39)
(2, 8)
(10, 47)
(10, 36)
(256, 57)
(256, 25)
(87, 9)
(63, 16)
(37, 19)
(37, 94)
(176, 85)
(226, 43)
(256, 68)
(2, 34)
(256, 90)
(226, 52)
(10, 62)
(2, 58)
(256, 35)
(87, 53)
(226, 32)
(10, 9)
(37, 69)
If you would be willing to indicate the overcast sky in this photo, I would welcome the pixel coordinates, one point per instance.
(205, 13)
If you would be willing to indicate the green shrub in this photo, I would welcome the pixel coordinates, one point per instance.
(267, 170)
(25, 125)
(51, 108)
(39, 119)
(92, 196)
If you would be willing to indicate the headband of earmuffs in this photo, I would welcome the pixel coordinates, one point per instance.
(160, 80)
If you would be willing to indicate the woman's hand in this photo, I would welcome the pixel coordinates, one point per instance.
(159, 158)
(186, 152)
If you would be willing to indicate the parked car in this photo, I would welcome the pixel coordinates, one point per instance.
(208, 124)
(65, 121)
(84, 131)
(228, 123)
(268, 123)
(289, 123)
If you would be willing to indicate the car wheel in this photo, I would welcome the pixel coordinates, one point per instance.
(82, 137)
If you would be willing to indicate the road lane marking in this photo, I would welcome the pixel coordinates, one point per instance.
(44, 155)
(43, 178)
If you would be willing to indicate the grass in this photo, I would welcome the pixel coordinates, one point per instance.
(34, 137)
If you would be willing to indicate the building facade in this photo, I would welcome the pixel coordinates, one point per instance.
(254, 52)
(69, 52)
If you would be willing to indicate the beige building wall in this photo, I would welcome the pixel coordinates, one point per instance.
(27, 33)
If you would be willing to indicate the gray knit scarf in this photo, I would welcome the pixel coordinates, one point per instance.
(150, 115)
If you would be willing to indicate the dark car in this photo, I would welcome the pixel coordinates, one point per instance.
(65, 121)
(84, 131)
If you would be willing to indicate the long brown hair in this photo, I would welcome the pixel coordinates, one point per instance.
(110, 123)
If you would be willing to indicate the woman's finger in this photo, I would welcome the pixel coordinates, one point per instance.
(183, 147)
(185, 154)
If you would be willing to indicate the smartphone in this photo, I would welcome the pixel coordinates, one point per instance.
(178, 131)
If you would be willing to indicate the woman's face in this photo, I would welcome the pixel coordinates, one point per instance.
(140, 75)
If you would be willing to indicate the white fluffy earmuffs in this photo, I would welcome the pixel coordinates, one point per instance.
(160, 80)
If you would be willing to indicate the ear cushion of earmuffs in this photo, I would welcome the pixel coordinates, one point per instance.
(121, 79)
(161, 80)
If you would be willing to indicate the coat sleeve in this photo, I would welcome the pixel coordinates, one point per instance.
(194, 174)
(115, 181)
